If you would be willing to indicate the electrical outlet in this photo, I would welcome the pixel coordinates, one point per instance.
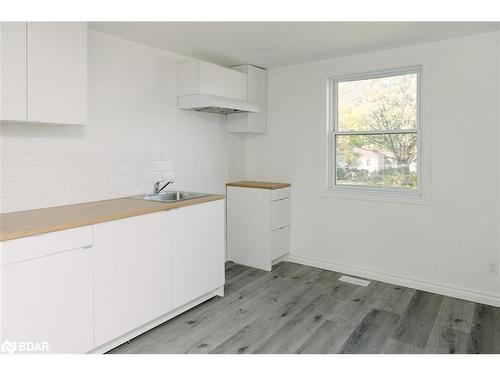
(493, 268)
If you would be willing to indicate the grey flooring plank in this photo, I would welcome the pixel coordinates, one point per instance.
(306, 275)
(330, 284)
(417, 322)
(296, 308)
(265, 325)
(233, 269)
(329, 338)
(457, 314)
(392, 346)
(237, 320)
(212, 330)
(372, 333)
(236, 271)
(291, 336)
(153, 340)
(445, 340)
(209, 335)
(361, 301)
(394, 299)
(242, 279)
(345, 316)
(485, 332)
(198, 327)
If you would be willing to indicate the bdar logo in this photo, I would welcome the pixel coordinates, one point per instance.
(8, 347)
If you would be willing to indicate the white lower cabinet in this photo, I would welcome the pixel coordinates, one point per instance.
(197, 250)
(132, 273)
(258, 225)
(47, 292)
(91, 288)
(147, 266)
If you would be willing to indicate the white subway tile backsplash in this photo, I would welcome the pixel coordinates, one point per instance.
(22, 174)
(51, 178)
(23, 202)
(168, 175)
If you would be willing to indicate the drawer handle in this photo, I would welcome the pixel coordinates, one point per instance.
(281, 199)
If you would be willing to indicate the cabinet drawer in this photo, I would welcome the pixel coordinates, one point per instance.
(25, 248)
(280, 213)
(280, 242)
(280, 194)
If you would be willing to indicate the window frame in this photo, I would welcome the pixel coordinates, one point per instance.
(333, 132)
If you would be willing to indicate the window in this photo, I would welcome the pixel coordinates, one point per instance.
(374, 132)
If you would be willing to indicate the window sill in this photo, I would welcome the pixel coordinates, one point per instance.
(379, 196)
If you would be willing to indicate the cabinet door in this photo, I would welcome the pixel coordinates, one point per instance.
(50, 300)
(13, 71)
(249, 227)
(198, 250)
(132, 273)
(257, 93)
(57, 72)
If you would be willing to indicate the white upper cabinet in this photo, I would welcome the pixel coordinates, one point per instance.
(44, 72)
(13, 71)
(256, 93)
(57, 72)
(198, 77)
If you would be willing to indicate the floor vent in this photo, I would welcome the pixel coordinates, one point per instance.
(354, 280)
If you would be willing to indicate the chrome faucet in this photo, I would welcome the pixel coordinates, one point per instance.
(156, 186)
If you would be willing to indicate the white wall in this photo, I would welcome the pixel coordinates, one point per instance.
(135, 135)
(442, 247)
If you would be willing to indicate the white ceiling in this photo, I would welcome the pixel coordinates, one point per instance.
(270, 44)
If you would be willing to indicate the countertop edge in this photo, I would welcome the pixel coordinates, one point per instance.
(259, 185)
(101, 218)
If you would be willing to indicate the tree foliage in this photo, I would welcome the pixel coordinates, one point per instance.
(372, 105)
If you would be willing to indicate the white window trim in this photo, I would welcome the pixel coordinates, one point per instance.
(376, 69)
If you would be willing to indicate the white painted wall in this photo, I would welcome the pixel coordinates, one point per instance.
(444, 246)
(135, 135)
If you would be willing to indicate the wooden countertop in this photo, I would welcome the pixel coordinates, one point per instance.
(28, 223)
(259, 185)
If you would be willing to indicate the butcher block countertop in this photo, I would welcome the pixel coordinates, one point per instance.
(259, 185)
(28, 223)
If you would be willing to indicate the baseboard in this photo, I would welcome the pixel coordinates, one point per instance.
(156, 322)
(465, 294)
(280, 259)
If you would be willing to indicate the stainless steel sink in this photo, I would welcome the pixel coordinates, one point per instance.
(173, 196)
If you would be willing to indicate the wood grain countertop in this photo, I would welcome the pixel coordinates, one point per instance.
(259, 184)
(28, 223)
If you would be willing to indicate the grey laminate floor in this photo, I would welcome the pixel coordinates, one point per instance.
(300, 309)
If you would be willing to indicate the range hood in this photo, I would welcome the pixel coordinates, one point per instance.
(215, 104)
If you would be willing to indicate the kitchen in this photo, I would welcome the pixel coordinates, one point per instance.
(162, 194)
